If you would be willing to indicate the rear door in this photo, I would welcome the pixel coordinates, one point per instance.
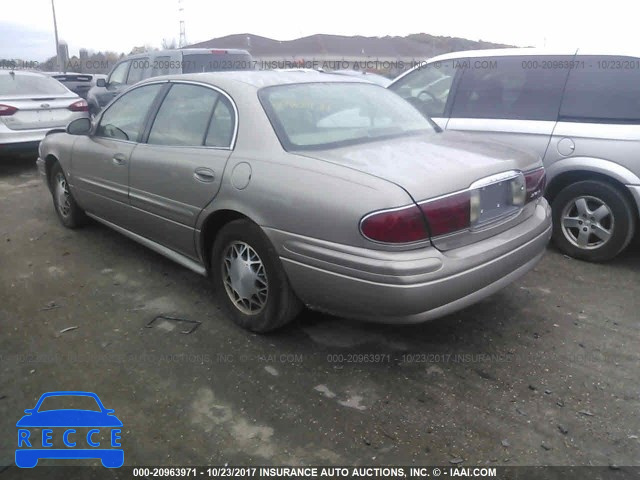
(512, 99)
(100, 161)
(178, 170)
(600, 114)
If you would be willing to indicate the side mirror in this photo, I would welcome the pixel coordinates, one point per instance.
(101, 82)
(29, 410)
(80, 126)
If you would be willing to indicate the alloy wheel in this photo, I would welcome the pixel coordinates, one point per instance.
(587, 222)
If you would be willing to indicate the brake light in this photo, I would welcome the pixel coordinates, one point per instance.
(7, 110)
(79, 106)
(402, 225)
(448, 214)
(453, 213)
(218, 52)
(536, 180)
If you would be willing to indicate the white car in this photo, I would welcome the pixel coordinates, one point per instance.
(31, 104)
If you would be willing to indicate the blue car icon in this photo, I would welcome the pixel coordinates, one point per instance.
(31, 448)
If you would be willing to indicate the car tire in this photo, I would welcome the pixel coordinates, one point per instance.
(583, 213)
(249, 278)
(68, 211)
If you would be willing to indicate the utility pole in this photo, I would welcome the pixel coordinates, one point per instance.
(55, 31)
(183, 36)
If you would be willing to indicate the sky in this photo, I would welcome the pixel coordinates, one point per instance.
(26, 26)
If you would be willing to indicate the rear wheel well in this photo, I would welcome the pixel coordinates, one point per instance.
(210, 229)
(567, 178)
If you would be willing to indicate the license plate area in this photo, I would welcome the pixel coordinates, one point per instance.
(46, 116)
(496, 202)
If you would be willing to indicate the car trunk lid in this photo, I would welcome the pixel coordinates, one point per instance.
(442, 171)
(35, 112)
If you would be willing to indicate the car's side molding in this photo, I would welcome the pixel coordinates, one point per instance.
(156, 247)
(596, 165)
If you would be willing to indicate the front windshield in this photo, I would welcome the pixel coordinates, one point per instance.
(325, 115)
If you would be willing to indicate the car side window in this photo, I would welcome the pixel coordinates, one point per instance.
(136, 72)
(601, 89)
(119, 74)
(124, 119)
(222, 125)
(428, 87)
(520, 88)
(184, 116)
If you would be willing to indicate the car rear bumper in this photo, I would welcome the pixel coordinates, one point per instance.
(15, 137)
(413, 286)
(10, 138)
(17, 148)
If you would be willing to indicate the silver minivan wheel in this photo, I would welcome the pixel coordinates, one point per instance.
(593, 220)
(587, 222)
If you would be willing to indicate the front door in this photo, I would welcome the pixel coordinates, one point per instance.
(100, 161)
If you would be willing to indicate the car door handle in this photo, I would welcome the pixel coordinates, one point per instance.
(119, 159)
(204, 174)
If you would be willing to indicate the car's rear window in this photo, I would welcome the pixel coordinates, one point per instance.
(332, 114)
(19, 84)
(603, 89)
(216, 62)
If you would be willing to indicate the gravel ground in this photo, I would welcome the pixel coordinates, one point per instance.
(543, 373)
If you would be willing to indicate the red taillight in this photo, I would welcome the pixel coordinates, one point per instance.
(448, 214)
(79, 106)
(218, 52)
(535, 180)
(404, 225)
(7, 110)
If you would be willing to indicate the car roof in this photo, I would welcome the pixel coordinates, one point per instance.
(258, 78)
(532, 51)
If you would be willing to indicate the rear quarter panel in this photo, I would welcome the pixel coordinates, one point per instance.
(293, 193)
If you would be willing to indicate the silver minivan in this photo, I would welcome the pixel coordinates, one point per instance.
(141, 66)
(578, 110)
